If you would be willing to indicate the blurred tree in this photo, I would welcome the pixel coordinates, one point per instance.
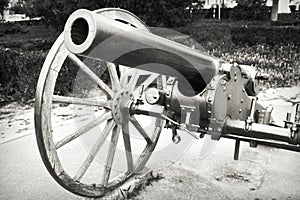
(251, 10)
(3, 5)
(18, 7)
(153, 12)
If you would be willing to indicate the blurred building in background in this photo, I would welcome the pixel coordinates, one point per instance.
(294, 5)
(10, 15)
(224, 3)
(283, 7)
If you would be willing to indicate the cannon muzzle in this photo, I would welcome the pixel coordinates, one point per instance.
(120, 42)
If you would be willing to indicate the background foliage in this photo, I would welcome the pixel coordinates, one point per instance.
(251, 10)
(153, 12)
(272, 48)
(18, 74)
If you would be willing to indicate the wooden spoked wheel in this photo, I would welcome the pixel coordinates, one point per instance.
(79, 130)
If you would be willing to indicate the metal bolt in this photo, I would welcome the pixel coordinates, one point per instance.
(242, 100)
(209, 99)
(235, 78)
(240, 110)
(229, 96)
(243, 90)
(224, 88)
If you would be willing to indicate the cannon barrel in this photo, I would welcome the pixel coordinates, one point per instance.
(98, 36)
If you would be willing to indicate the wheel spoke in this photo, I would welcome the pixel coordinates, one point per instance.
(95, 149)
(83, 130)
(127, 144)
(133, 80)
(81, 101)
(144, 157)
(140, 129)
(110, 155)
(113, 75)
(149, 80)
(91, 74)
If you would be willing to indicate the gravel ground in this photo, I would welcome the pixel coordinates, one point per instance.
(260, 173)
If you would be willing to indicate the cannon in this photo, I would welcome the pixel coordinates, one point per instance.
(144, 77)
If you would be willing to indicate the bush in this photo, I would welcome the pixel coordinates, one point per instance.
(12, 28)
(210, 32)
(251, 10)
(267, 35)
(154, 13)
(20, 70)
(18, 74)
(281, 62)
(275, 52)
(288, 19)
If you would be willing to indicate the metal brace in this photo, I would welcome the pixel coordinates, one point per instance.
(250, 119)
(181, 126)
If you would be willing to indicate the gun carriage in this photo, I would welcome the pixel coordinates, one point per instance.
(177, 86)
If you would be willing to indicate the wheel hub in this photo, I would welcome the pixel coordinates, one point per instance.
(121, 104)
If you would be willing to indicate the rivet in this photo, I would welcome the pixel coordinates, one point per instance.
(243, 90)
(240, 110)
(242, 100)
(229, 97)
(224, 88)
(209, 99)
